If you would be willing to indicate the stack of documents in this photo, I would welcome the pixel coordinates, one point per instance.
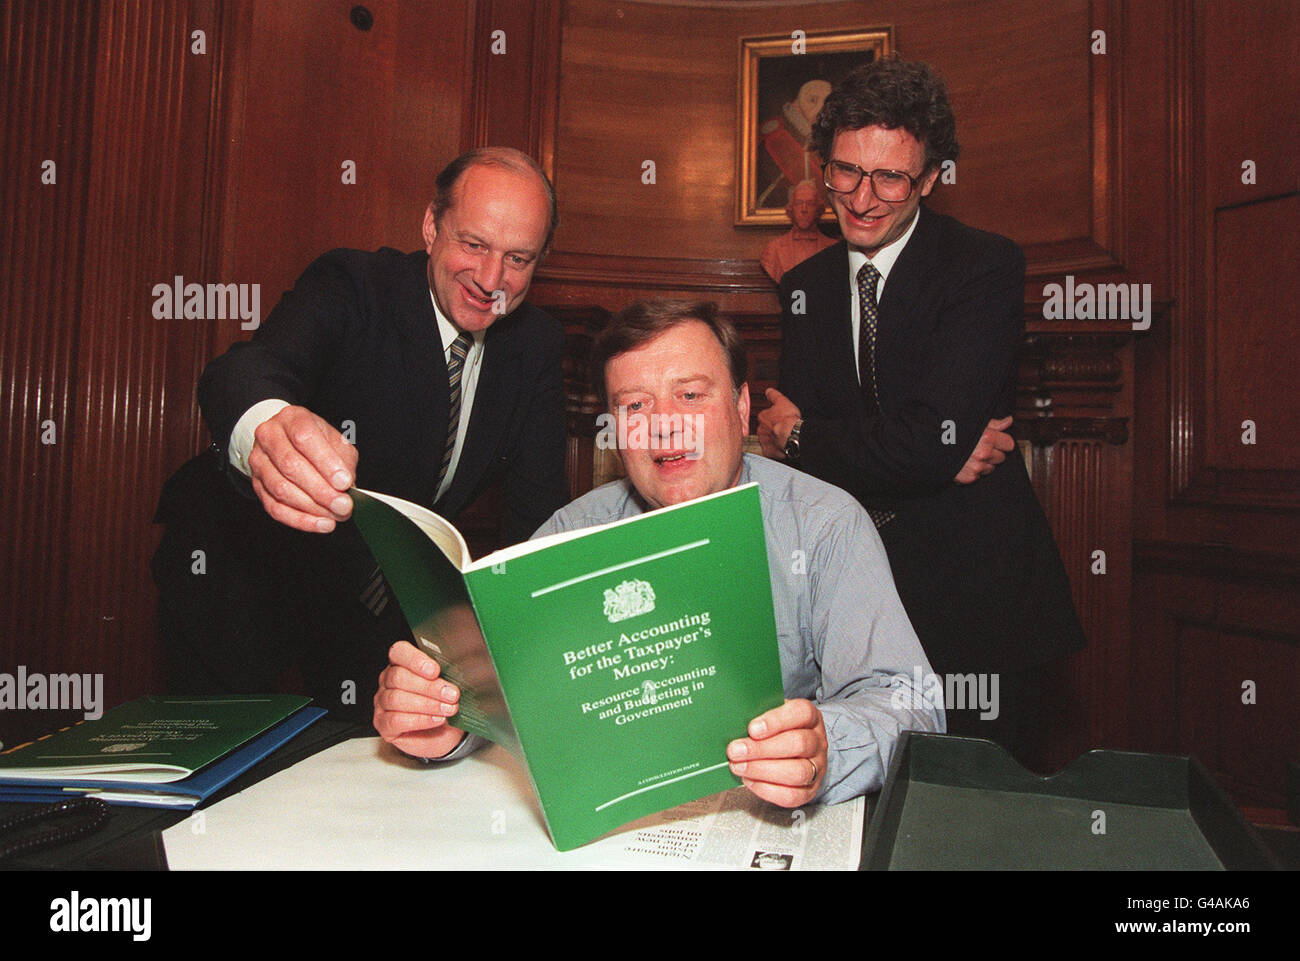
(155, 751)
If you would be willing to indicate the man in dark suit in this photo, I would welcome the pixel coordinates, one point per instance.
(898, 381)
(422, 375)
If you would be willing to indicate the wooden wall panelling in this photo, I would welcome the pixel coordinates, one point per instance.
(582, 406)
(224, 22)
(1258, 648)
(1241, 361)
(1218, 672)
(514, 54)
(1074, 408)
(48, 65)
(1082, 714)
(312, 91)
(1056, 242)
(1183, 163)
(1250, 373)
(122, 81)
(646, 78)
(152, 91)
(1248, 111)
(1167, 604)
(1076, 384)
(1217, 520)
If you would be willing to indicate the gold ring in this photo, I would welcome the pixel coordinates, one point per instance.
(813, 779)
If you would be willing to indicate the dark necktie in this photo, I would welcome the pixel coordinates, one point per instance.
(455, 366)
(374, 596)
(868, 325)
(868, 322)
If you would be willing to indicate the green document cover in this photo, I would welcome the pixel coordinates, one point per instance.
(151, 740)
(616, 661)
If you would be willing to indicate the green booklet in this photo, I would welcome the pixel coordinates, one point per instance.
(151, 740)
(616, 662)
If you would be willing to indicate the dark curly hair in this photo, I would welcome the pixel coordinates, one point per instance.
(891, 93)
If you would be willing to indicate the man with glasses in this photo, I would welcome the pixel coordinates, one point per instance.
(898, 380)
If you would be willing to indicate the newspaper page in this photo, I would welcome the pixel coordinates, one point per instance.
(737, 830)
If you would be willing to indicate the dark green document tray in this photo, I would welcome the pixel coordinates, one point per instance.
(959, 803)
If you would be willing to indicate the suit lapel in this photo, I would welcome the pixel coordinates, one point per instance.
(831, 306)
(425, 366)
(905, 283)
(493, 402)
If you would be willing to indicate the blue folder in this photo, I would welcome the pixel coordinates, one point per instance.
(180, 795)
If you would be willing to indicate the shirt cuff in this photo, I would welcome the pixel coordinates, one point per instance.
(468, 745)
(241, 438)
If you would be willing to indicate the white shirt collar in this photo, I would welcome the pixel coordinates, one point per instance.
(449, 331)
(885, 256)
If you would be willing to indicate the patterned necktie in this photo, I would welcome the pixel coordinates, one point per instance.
(868, 324)
(455, 365)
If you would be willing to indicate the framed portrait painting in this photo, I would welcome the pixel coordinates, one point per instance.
(783, 82)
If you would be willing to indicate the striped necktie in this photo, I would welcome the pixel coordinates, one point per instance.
(868, 325)
(375, 596)
(455, 366)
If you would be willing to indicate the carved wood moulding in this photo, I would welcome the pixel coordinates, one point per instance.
(1069, 388)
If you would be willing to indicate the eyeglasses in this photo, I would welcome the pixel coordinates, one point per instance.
(891, 186)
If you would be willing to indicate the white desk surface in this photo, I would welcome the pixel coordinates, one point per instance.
(361, 805)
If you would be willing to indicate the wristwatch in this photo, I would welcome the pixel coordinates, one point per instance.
(792, 442)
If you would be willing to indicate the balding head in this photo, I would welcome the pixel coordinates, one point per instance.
(507, 157)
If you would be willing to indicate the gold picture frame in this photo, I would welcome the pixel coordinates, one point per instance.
(783, 80)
